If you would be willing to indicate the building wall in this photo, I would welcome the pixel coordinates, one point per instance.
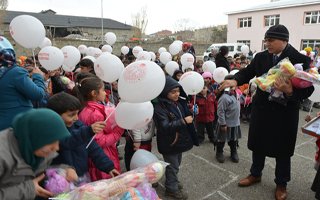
(292, 18)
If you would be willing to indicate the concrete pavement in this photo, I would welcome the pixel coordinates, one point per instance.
(206, 179)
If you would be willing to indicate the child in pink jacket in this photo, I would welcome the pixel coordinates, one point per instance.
(90, 90)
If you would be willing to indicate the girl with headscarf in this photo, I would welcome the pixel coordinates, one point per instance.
(26, 150)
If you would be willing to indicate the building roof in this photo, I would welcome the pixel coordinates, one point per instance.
(276, 5)
(54, 20)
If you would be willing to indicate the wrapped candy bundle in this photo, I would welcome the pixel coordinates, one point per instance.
(115, 187)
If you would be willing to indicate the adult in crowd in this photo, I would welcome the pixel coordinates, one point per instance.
(273, 125)
(221, 58)
(26, 150)
(17, 89)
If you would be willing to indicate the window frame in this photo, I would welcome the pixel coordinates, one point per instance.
(271, 18)
(245, 22)
(310, 15)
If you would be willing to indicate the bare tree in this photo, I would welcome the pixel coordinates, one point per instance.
(184, 25)
(140, 21)
(3, 7)
(3, 4)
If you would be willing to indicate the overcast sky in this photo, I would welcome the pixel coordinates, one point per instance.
(161, 14)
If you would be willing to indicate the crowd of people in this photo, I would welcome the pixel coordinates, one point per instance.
(43, 112)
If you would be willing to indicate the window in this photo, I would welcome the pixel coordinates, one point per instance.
(246, 42)
(245, 22)
(312, 17)
(309, 43)
(271, 20)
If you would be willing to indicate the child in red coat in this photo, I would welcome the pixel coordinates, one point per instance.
(206, 103)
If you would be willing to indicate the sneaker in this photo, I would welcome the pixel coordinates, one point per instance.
(176, 195)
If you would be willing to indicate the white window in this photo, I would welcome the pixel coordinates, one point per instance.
(271, 20)
(312, 17)
(309, 43)
(245, 22)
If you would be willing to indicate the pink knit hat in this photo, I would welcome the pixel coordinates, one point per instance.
(207, 75)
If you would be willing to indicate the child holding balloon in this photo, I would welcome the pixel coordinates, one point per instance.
(175, 133)
(90, 90)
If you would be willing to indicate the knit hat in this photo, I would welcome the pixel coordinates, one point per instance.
(207, 75)
(35, 129)
(278, 32)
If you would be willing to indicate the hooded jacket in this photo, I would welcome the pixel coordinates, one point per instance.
(173, 134)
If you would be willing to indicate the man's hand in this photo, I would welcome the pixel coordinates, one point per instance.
(40, 191)
(188, 119)
(98, 127)
(136, 145)
(284, 85)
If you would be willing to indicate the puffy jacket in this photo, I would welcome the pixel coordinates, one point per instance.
(206, 107)
(112, 133)
(17, 90)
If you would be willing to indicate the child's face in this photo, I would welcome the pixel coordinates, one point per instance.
(101, 95)
(174, 94)
(85, 69)
(204, 90)
(207, 81)
(46, 150)
(70, 117)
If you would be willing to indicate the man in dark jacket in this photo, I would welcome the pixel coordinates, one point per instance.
(273, 126)
(221, 58)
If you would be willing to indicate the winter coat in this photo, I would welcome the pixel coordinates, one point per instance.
(273, 126)
(15, 174)
(92, 113)
(173, 134)
(222, 61)
(74, 153)
(206, 108)
(17, 90)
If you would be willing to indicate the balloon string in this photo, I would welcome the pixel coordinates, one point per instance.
(194, 104)
(96, 134)
(34, 58)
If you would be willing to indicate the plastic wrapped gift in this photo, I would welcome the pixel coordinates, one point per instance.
(117, 186)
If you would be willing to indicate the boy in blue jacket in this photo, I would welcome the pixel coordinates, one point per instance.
(73, 149)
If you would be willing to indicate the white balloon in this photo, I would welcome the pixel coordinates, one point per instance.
(68, 68)
(144, 55)
(209, 66)
(233, 72)
(46, 42)
(187, 60)
(165, 57)
(171, 67)
(245, 49)
(51, 58)
(161, 50)
(82, 48)
(174, 48)
(125, 50)
(110, 38)
(153, 55)
(108, 67)
(191, 82)
(136, 50)
(133, 115)
(96, 52)
(142, 158)
(179, 43)
(72, 57)
(106, 48)
(90, 57)
(141, 81)
(315, 96)
(27, 30)
(219, 74)
(90, 51)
